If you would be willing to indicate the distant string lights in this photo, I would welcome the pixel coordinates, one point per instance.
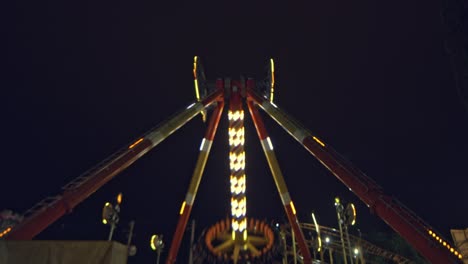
(4, 232)
(445, 244)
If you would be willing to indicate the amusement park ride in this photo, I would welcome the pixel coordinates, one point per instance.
(239, 239)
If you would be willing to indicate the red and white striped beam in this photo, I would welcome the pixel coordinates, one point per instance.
(288, 204)
(187, 204)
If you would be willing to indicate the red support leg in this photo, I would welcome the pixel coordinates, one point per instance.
(279, 181)
(194, 183)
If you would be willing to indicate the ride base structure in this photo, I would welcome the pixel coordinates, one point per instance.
(239, 239)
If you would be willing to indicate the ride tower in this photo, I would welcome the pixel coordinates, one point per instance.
(239, 239)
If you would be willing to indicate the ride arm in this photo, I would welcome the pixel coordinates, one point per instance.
(279, 181)
(50, 209)
(187, 204)
(413, 229)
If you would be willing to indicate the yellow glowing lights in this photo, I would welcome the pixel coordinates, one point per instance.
(195, 66)
(197, 93)
(119, 198)
(239, 226)
(238, 179)
(292, 207)
(318, 141)
(6, 231)
(238, 185)
(182, 208)
(272, 88)
(236, 136)
(354, 214)
(195, 82)
(233, 157)
(238, 207)
(236, 132)
(234, 116)
(136, 143)
(317, 229)
(153, 241)
(444, 243)
(237, 161)
(104, 221)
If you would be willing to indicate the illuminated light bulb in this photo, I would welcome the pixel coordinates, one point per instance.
(272, 69)
(237, 182)
(337, 201)
(235, 225)
(119, 198)
(153, 242)
(234, 116)
(182, 208)
(451, 250)
(237, 186)
(319, 141)
(197, 93)
(234, 158)
(292, 207)
(136, 143)
(430, 232)
(243, 225)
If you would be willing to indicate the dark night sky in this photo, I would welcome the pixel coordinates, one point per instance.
(80, 80)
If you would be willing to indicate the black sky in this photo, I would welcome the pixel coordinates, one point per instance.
(80, 80)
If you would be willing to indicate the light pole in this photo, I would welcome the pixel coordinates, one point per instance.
(330, 250)
(131, 249)
(339, 214)
(110, 215)
(361, 255)
(157, 245)
(349, 220)
(284, 242)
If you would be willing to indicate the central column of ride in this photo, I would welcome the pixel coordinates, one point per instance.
(237, 167)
